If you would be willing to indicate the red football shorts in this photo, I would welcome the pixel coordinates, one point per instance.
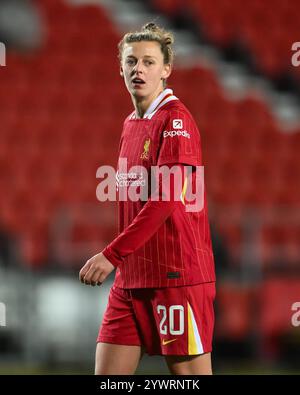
(166, 321)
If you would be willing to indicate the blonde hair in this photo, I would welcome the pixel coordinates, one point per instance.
(151, 32)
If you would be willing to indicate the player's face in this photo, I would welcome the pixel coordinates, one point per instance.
(143, 68)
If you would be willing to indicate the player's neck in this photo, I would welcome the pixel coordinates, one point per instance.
(143, 103)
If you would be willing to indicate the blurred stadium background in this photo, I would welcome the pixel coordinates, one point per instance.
(62, 104)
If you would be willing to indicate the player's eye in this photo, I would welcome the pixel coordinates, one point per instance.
(130, 62)
(148, 62)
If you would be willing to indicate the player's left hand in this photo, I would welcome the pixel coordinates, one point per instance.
(95, 271)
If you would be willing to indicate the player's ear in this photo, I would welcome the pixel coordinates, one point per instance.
(121, 71)
(167, 70)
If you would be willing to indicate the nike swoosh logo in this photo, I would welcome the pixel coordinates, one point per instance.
(165, 342)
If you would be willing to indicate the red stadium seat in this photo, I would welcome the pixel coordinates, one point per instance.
(276, 299)
(231, 22)
(235, 312)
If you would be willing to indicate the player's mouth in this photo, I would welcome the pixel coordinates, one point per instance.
(137, 82)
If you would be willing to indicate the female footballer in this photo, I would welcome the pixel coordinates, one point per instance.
(161, 301)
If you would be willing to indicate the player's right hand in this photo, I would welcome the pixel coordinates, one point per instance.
(95, 271)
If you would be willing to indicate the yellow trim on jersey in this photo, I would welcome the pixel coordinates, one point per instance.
(183, 192)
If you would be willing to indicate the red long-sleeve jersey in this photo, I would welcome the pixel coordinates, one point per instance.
(160, 243)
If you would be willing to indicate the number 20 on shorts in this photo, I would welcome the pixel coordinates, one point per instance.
(167, 322)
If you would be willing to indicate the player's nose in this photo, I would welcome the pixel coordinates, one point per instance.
(138, 68)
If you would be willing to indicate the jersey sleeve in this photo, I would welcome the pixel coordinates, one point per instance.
(180, 140)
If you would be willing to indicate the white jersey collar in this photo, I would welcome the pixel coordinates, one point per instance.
(164, 97)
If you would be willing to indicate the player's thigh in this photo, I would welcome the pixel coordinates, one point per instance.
(117, 358)
(189, 364)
